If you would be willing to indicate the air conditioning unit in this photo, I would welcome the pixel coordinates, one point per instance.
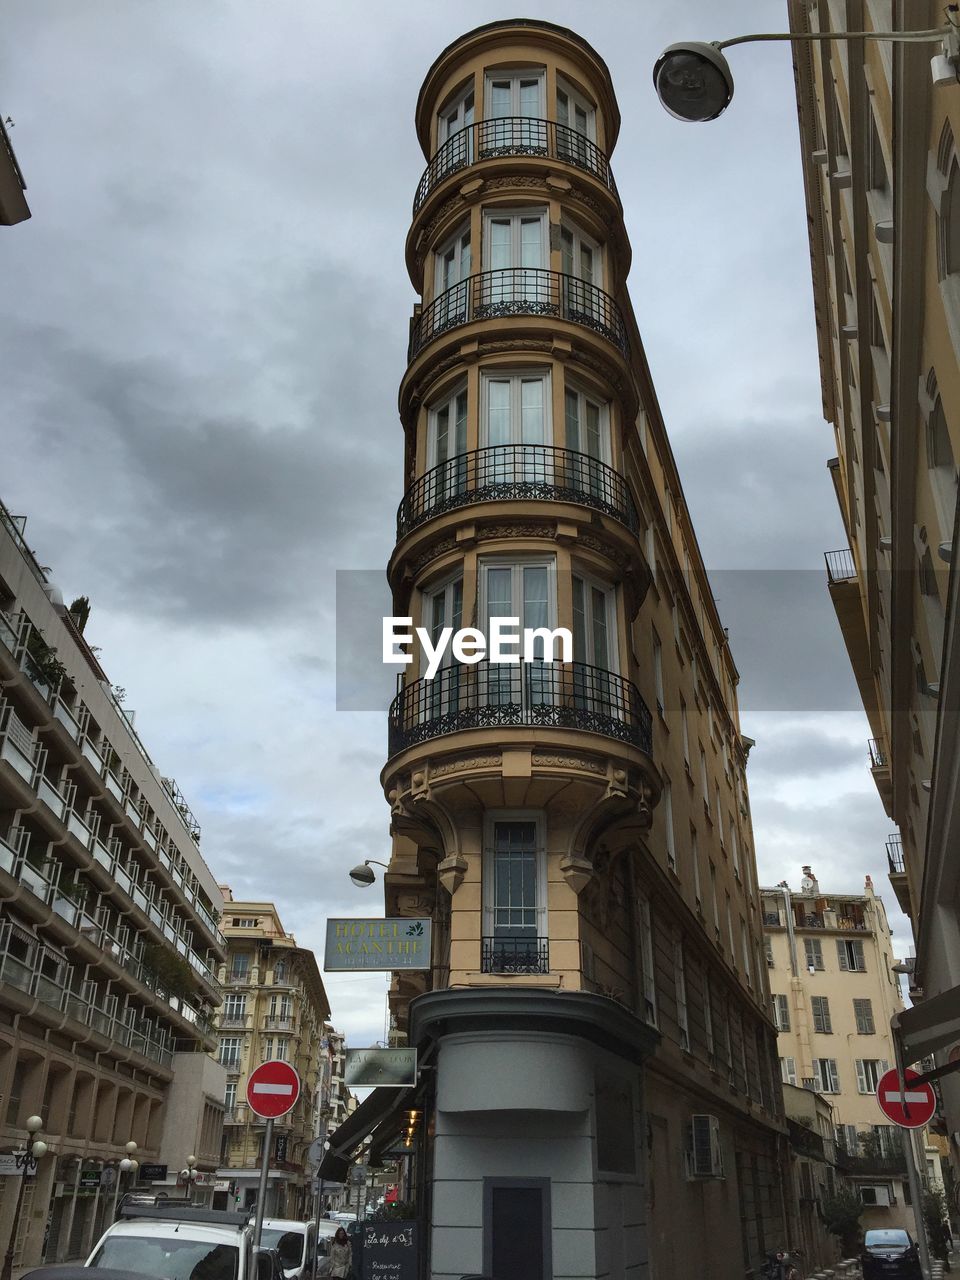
(704, 1153)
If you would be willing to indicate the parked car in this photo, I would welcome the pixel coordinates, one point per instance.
(179, 1241)
(295, 1242)
(890, 1254)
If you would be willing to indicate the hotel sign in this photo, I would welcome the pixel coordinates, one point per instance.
(380, 1068)
(380, 944)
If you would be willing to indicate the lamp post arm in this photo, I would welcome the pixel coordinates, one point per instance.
(935, 33)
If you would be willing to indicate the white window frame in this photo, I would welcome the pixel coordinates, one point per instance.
(671, 839)
(581, 100)
(646, 959)
(609, 593)
(516, 216)
(788, 1070)
(449, 402)
(514, 74)
(869, 1071)
(781, 1012)
(680, 981)
(584, 396)
(454, 240)
(832, 1082)
(490, 818)
(515, 379)
(581, 239)
(456, 103)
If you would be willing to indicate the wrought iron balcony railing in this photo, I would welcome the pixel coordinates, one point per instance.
(510, 471)
(513, 136)
(519, 291)
(515, 955)
(563, 695)
(840, 565)
(878, 753)
(895, 854)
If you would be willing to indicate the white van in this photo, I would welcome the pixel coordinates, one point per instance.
(177, 1240)
(295, 1242)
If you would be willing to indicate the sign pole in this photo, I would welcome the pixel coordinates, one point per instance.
(262, 1191)
(916, 1197)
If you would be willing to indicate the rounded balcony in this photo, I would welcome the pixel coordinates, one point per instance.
(519, 291)
(516, 472)
(513, 136)
(487, 695)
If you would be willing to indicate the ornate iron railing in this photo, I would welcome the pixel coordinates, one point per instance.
(840, 565)
(513, 136)
(519, 291)
(895, 854)
(515, 955)
(506, 471)
(487, 695)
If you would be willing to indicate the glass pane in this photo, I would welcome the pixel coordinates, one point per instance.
(600, 651)
(464, 257)
(531, 411)
(500, 244)
(500, 96)
(535, 601)
(460, 439)
(586, 263)
(593, 441)
(530, 242)
(436, 619)
(566, 251)
(456, 604)
(499, 593)
(529, 97)
(580, 120)
(579, 622)
(443, 421)
(563, 108)
(498, 412)
(468, 109)
(571, 402)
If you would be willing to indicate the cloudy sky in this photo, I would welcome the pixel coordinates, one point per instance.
(202, 332)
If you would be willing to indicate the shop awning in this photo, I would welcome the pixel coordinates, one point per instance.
(932, 1024)
(374, 1111)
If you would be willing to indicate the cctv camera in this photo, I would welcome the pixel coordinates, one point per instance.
(362, 876)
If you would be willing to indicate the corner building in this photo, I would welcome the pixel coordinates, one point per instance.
(606, 1091)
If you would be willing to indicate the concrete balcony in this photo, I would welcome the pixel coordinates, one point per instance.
(898, 873)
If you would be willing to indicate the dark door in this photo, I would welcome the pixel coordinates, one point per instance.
(517, 1231)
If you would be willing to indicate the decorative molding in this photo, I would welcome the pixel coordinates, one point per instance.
(450, 872)
(567, 762)
(462, 766)
(578, 872)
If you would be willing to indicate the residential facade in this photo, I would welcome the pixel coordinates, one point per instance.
(878, 136)
(109, 938)
(192, 1135)
(578, 832)
(813, 1166)
(834, 994)
(274, 1007)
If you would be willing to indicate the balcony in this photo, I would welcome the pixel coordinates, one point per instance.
(519, 291)
(881, 770)
(898, 873)
(513, 136)
(877, 1166)
(840, 565)
(279, 1024)
(515, 955)
(518, 472)
(557, 695)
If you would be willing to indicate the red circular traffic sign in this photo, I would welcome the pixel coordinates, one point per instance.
(914, 1107)
(273, 1089)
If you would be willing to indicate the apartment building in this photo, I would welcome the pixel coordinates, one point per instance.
(13, 202)
(274, 1006)
(882, 175)
(109, 935)
(597, 1013)
(813, 1164)
(834, 993)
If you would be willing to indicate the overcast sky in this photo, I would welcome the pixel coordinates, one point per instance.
(202, 332)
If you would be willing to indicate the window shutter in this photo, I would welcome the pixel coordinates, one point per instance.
(834, 1076)
(842, 954)
(861, 1077)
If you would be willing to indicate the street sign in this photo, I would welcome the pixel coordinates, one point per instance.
(152, 1173)
(380, 1068)
(273, 1089)
(911, 1110)
(379, 944)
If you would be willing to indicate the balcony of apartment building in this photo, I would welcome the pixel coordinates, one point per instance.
(537, 297)
(875, 1152)
(898, 872)
(489, 695)
(829, 915)
(281, 1022)
(879, 757)
(513, 953)
(844, 585)
(518, 474)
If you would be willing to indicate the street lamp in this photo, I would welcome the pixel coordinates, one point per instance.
(23, 1157)
(126, 1165)
(694, 82)
(189, 1175)
(362, 876)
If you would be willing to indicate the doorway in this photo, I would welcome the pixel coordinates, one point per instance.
(516, 1228)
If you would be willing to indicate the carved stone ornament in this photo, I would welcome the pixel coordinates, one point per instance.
(567, 762)
(462, 766)
(577, 872)
(450, 872)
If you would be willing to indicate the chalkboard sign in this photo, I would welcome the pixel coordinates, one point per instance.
(390, 1251)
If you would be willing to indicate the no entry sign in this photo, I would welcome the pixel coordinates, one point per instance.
(911, 1109)
(273, 1089)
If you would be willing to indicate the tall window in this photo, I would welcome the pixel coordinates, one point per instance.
(587, 436)
(514, 93)
(234, 1008)
(733, 948)
(685, 733)
(826, 1078)
(240, 965)
(714, 901)
(820, 1007)
(516, 253)
(813, 949)
(863, 1012)
(708, 1017)
(869, 1071)
(453, 267)
(669, 837)
(781, 1012)
(788, 1070)
(745, 946)
(228, 1052)
(447, 442)
(514, 893)
(734, 848)
(850, 955)
(704, 783)
(528, 592)
(230, 1095)
(683, 1024)
(695, 863)
(581, 264)
(576, 113)
(646, 959)
(456, 116)
(443, 607)
(594, 620)
(658, 668)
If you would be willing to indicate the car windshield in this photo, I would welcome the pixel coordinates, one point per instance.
(173, 1257)
(884, 1239)
(289, 1245)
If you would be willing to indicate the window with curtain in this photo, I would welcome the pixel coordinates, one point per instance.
(526, 591)
(515, 256)
(513, 114)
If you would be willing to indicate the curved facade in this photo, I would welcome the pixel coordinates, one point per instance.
(576, 828)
